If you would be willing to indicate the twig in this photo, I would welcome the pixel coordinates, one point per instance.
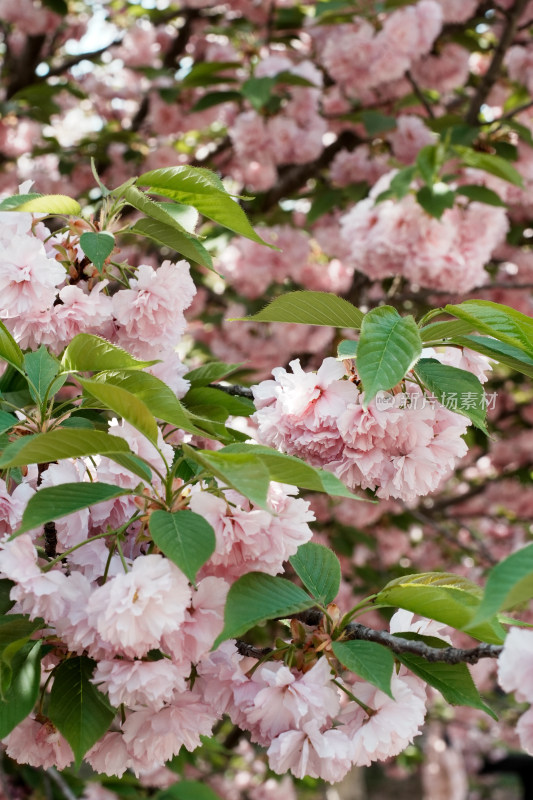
(236, 391)
(61, 783)
(517, 110)
(77, 59)
(250, 651)
(295, 177)
(399, 645)
(420, 94)
(493, 72)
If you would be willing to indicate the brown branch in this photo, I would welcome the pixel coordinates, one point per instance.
(399, 645)
(235, 390)
(420, 94)
(250, 651)
(493, 72)
(510, 114)
(178, 45)
(68, 63)
(294, 177)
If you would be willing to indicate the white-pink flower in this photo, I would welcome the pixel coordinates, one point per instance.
(39, 745)
(310, 751)
(133, 611)
(515, 664)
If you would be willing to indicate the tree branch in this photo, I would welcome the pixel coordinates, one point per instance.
(250, 651)
(296, 176)
(493, 73)
(236, 391)
(399, 645)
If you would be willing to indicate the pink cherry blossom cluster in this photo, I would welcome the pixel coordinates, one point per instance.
(399, 446)
(360, 59)
(397, 237)
(50, 292)
(251, 267)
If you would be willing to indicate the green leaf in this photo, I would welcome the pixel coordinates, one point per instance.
(153, 210)
(97, 247)
(126, 404)
(134, 464)
(388, 347)
(427, 163)
(55, 502)
(310, 308)
(52, 204)
(289, 469)
(202, 70)
(255, 598)
(14, 627)
(498, 351)
(497, 320)
(78, 710)
(6, 604)
(453, 681)
(216, 98)
(182, 242)
(436, 199)
(456, 389)
(375, 122)
(155, 394)
(7, 421)
(442, 596)
(206, 396)
(89, 353)
(495, 165)
(184, 537)
(23, 691)
(41, 369)
(241, 471)
(187, 790)
(509, 583)
(14, 202)
(211, 372)
(372, 662)
(399, 185)
(480, 194)
(445, 330)
(319, 570)
(9, 349)
(258, 91)
(347, 349)
(198, 187)
(61, 443)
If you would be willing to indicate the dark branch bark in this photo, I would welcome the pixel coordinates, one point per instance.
(178, 45)
(294, 177)
(22, 68)
(420, 94)
(236, 391)
(493, 72)
(250, 651)
(68, 63)
(399, 645)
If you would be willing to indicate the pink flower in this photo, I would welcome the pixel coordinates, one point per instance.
(109, 755)
(202, 624)
(39, 745)
(135, 683)
(12, 506)
(410, 136)
(289, 699)
(394, 724)
(152, 308)
(154, 737)
(133, 611)
(311, 752)
(79, 312)
(524, 729)
(514, 664)
(28, 278)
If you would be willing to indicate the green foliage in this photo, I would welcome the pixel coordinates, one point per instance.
(9, 349)
(388, 347)
(499, 351)
(89, 353)
(255, 598)
(310, 308)
(180, 241)
(372, 662)
(126, 404)
(495, 165)
(97, 247)
(52, 204)
(202, 189)
(501, 322)
(187, 790)
(54, 502)
(457, 389)
(184, 537)
(241, 471)
(319, 570)
(78, 710)
(509, 584)
(447, 598)
(58, 444)
(41, 369)
(18, 698)
(453, 681)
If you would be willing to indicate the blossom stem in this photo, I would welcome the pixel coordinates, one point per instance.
(369, 711)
